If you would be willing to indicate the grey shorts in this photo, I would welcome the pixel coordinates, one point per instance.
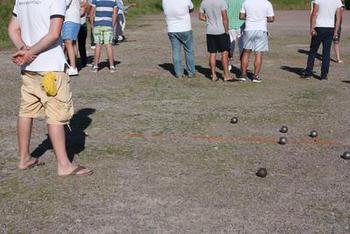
(256, 41)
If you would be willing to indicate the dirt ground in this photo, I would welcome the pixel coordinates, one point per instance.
(167, 159)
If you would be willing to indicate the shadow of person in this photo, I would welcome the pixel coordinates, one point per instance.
(168, 67)
(105, 64)
(205, 71)
(297, 70)
(75, 135)
(307, 52)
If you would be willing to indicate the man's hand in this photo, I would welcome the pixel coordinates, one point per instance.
(23, 56)
(313, 32)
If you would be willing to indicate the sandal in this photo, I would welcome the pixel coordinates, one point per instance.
(35, 163)
(76, 171)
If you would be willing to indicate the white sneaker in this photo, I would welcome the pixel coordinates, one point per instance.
(72, 71)
(94, 68)
(112, 69)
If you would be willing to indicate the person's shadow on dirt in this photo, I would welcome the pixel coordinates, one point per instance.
(297, 70)
(75, 135)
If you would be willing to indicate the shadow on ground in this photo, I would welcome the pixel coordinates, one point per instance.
(75, 136)
(297, 70)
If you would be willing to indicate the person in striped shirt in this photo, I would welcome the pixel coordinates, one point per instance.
(104, 17)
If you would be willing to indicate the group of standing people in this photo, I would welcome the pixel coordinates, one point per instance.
(36, 27)
(243, 24)
(230, 24)
(107, 22)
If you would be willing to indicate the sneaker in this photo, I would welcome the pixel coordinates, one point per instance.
(256, 79)
(93, 47)
(112, 69)
(94, 68)
(340, 61)
(89, 64)
(72, 71)
(305, 75)
(242, 77)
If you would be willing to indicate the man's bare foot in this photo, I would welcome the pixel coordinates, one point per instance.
(228, 78)
(214, 78)
(75, 171)
(28, 163)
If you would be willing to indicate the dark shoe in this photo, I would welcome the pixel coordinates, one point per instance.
(324, 78)
(242, 77)
(256, 79)
(191, 75)
(305, 75)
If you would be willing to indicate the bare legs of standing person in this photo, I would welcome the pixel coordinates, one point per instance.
(57, 137)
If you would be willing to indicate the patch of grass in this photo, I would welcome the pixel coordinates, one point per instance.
(291, 4)
(5, 14)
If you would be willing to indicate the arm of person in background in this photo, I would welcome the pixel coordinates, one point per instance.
(27, 55)
(201, 14)
(83, 6)
(242, 16)
(243, 13)
(190, 6)
(114, 17)
(126, 8)
(92, 15)
(313, 19)
(225, 20)
(337, 22)
(270, 14)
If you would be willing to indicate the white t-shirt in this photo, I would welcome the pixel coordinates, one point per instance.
(177, 15)
(33, 18)
(73, 12)
(326, 12)
(256, 14)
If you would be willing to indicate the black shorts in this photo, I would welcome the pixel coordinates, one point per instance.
(218, 43)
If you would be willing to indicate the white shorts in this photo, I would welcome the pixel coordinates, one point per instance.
(256, 41)
(235, 34)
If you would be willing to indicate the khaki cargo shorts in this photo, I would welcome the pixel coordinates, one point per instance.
(35, 102)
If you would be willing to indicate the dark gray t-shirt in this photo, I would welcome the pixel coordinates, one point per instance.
(213, 9)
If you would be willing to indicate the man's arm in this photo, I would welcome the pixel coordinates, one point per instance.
(242, 16)
(313, 19)
(114, 17)
(92, 15)
(14, 32)
(202, 16)
(43, 44)
(225, 20)
(271, 19)
(83, 6)
(337, 22)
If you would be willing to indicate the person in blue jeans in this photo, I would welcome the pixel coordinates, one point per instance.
(323, 29)
(178, 20)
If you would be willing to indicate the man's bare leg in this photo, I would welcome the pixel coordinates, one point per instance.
(57, 136)
(212, 64)
(97, 54)
(24, 130)
(337, 52)
(71, 52)
(110, 55)
(257, 63)
(245, 62)
(224, 61)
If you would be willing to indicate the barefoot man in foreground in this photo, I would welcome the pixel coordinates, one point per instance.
(35, 30)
